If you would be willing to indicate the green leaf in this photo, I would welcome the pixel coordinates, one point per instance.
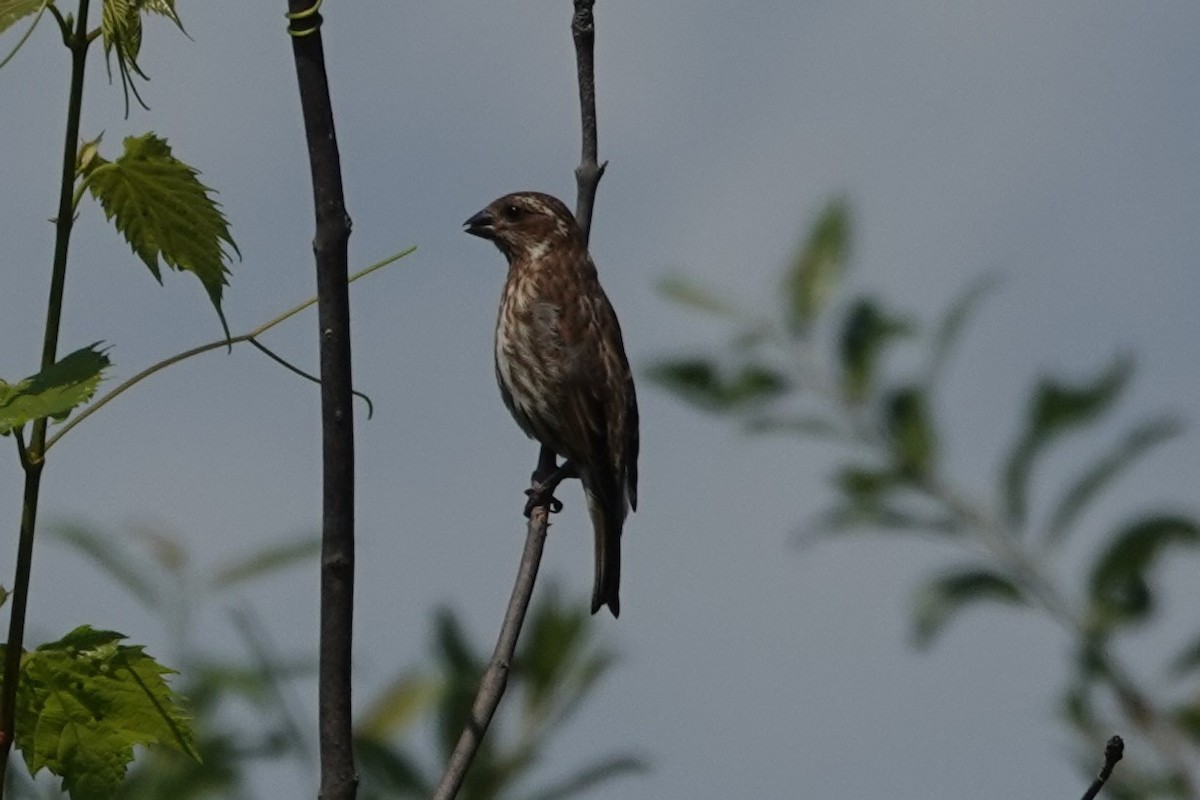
(1119, 590)
(11, 11)
(948, 594)
(54, 391)
(596, 773)
(85, 701)
(1104, 471)
(165, 8)
(398, 706)
(161, 208)
(914, 443)
(1188, 659)
(865, 332)
(818, 266)
(113, 556)
(698, 381)
(955, 321)
(687, 292)
(1057, 408)
(268, 559)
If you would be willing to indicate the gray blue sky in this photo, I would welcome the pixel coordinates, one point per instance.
(1054, 143)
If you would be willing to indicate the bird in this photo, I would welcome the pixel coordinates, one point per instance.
(562, 370)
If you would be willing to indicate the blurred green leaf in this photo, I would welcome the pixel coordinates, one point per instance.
(85, 701)
(113, 556)
(269, 559)
(914, 443)
(1104, 471)
(1057, 408)
(698, 381)
(954, 321)
(408, 697)
(159, 205)
(818, 266)
(687, 292)
(948, 594)
(808, 426)
(389, 771)
(1119, 590)
(589, 777)
(54, 391)
(1188, 659)
(865, 333)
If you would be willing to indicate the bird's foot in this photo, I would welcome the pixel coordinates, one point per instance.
(543, 483)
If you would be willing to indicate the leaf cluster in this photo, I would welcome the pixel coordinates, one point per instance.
(830, 357)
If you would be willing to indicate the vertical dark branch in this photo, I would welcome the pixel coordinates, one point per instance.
(338, 777)
(589, 171)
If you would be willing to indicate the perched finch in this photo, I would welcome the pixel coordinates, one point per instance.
(561, 366)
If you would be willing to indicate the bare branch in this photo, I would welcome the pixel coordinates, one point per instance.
(1112, 754)
(339, 779)
(495, 677)
(589, 171)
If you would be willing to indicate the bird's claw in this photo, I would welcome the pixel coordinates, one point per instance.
(542, 495)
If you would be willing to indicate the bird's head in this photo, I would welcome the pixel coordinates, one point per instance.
(526, 225)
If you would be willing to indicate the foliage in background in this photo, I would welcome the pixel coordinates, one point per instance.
(77, 707)
(815, 367)
(558, 665)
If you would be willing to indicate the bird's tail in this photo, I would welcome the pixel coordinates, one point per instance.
(607, 509)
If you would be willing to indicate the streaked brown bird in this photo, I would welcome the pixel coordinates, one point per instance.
(562, 370)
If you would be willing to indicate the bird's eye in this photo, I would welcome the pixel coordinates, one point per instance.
(513, 212)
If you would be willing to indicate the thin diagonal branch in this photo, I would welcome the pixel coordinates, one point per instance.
(495, 677)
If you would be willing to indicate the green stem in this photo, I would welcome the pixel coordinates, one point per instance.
(32, 457)
(120, 389)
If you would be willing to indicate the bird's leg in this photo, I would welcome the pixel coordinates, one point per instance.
(545, 479)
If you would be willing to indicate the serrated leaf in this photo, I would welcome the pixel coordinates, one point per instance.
(687, 292)
(53, 392)
(164, 212)
(865, 332)
(818, 266)
(165, 8)
(910, 429)
(1104, 471)
(943, 597)
(954, 321)
(1119, 588)
(121, 30)
(12, 11)
(85, 701)
(1057, 407)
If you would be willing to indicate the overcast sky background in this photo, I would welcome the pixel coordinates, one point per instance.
(1057, 144)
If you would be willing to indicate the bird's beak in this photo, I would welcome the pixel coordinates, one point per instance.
(482, 225)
